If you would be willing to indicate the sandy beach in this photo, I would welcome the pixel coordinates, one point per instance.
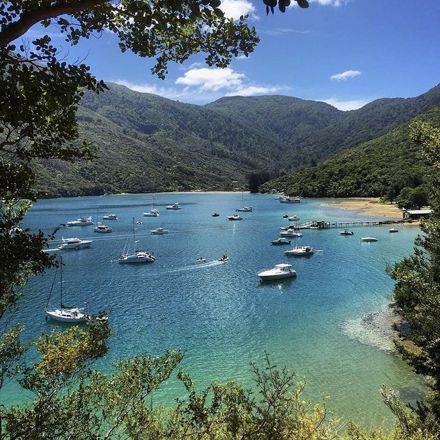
(367, 206)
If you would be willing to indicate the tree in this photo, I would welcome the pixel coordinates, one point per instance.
(417, 289)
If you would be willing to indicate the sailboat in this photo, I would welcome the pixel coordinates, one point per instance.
(243, 207)
(137, 256)
(152, 212)
(65, 313)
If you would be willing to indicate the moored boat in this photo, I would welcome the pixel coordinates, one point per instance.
(159, 231)
(290, 233)
(152, 213)
(280, 241)
(174, 206)
(82, 221)
(234, 217)
(393, 230)
(102, 229)
(346, 232)
(110, 217)
(369, 239)
(280, 271)
(290, 200)
(300, 251)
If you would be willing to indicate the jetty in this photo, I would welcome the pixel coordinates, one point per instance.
(321, 224)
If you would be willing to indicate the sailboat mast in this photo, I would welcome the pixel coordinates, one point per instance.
(61, 280)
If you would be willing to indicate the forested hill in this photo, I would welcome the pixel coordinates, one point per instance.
(149, 143)
(386, 166)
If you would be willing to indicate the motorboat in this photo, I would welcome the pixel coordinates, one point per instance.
(300, 251)
(64, 313)
(223, 259)
(102, 229)
(137, 257)
(393, 230)
(200, 260)
(290, 233)
(280, 241)
(110, 217)
(159, 231)
(234, 217)
(245, 209)
(152, 213)
(346, 232)
(290, 200)
(368, 239)
(82, 221)
(174, 206)
(294, 218)
(286, 216)
(279, 272)
(216, 214)
(74, 243)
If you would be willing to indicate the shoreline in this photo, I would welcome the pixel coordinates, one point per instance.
(368, 206)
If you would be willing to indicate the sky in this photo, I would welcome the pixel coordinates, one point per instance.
(343, 52)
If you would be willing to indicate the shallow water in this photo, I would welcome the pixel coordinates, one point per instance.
(220, 316)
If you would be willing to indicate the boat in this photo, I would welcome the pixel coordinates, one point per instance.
(294, 218)
(159, 231)
(346, 232)
(300, 251)
(174, 206)
(200, 260)
(286, 216)
(290, 233)
(74, 243)
(152, 213)
(223, 259)
(137, 256)
(245, 209)
(216, 214)
(393, 230)
(234, 217)
(280, 271)
(290, 200)
(368, 239)
(102, 229)
(280, 241)
(82, 221)
(110, 217)
(64, 313)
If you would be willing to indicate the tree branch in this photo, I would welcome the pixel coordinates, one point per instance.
(28, 19)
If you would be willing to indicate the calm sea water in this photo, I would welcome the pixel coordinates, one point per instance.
(321, 325)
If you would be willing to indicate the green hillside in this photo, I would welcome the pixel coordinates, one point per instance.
(149, 143)
(381, 167)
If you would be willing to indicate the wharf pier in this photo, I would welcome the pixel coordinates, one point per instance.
(350, 224)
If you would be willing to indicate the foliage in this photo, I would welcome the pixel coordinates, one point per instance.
(417, 289)
(256, 179)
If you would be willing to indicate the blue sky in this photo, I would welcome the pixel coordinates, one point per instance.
(344, 52)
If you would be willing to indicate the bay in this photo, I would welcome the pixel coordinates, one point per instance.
(326, 325)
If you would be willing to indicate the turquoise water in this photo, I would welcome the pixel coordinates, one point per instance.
(220, 316)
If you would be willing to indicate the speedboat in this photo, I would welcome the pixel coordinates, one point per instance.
(300, 251)
(73, 315)
(152, 213)
(103, 229)
(245, 209)
(286, 216)
(137, 257)
(174, 206)
(393, 230)
(110, 217)
(279, 272)
(200, 260)
(290, 233)
(82, 221)
(159, 231)
(294, 218)
(290, 200)
(368, 239)
(74, 243)
(234, 217)
(346, 232)
(223, 259)
(216, 214)
(280, 241)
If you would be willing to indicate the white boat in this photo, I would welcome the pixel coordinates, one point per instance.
(346, 232)
(200, 260)
(280, 241)
(290, 200)
(368, 239)
(234, 217)
(300, 251)
(82, 221)
(136, 256)
(110, 217)
(290, 233)
(174, 206)
(102, 229)
(66, 314)
(393, 230)
(279, 272)
(152, 213)
(159, 231)
(245, 209)
(294, 218)
(74, 243)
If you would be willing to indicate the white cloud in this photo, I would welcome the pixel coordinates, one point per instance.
(236, 8)
(256, 90)
(334, 3)
(166, 92)
(345, 105)
(243, 57)
(211, 79)
(343, 76)
(281, 31)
